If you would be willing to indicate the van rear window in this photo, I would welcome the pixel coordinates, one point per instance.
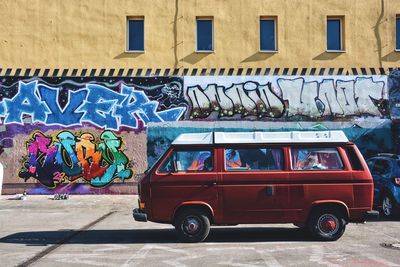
(354, 160)
(316, 159)
(253, 159)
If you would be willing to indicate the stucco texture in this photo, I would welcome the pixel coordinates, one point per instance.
(92, 33)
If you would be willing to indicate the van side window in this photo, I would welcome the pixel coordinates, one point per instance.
(316, 159)
(256, 159)
(354, 160)
(188, 160)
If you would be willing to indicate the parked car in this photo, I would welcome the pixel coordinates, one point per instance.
(385, 170)
(316, 180)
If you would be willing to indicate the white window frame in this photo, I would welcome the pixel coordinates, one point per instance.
(275, 19)
(129, 18)
(395, 33)
(342, 36)
(212, 34)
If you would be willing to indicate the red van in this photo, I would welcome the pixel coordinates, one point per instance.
(316, 180)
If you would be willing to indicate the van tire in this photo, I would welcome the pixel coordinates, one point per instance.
(192, 226)
(327, 224)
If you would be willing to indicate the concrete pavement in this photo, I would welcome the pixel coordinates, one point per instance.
(100, 231)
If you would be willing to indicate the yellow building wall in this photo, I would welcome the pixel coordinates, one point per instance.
(92, 33)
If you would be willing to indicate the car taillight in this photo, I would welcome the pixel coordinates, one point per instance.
(396, 180)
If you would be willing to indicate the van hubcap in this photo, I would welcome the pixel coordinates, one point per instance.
(387, 206)
(191, 225)
(328, 224)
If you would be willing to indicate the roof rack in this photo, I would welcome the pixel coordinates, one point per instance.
(261, 137)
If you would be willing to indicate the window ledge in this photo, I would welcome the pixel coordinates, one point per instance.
(336, 51)
(397, 50)
(268, 51)
(205, 51)
(134, 51)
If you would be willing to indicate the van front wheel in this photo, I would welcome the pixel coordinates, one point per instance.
(327, 225)
(192, 226)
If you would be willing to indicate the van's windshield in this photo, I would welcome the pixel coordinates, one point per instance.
(155, 162)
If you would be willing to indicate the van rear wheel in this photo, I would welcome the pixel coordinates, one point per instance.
(192, 226)
(327, 225)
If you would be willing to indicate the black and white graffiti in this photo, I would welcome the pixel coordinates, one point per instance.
(287, 97)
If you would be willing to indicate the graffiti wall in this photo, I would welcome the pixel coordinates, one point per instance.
(66, 158)
(94, 134)
(81, 134)
(110, 104)
(287, 97)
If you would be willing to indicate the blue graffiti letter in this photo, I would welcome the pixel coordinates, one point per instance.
(65, 117)
(98, 106)
(25, 102)
(138, 102)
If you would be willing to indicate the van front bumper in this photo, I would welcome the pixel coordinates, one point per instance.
(139, 216)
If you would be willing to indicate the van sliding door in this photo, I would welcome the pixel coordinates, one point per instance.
(254, 188)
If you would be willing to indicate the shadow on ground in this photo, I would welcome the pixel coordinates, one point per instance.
(43, 238)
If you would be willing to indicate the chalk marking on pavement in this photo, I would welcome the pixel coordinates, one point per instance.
(382, 261)
(319, 256)
(138, 255)
(230, 248)
(48, 250)
(177, 262)
(231, 262)
(111, 247)
(142, 253)
(269, 259)
(79, 261)
(253, 243)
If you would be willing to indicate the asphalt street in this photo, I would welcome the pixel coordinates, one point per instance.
(100, 231)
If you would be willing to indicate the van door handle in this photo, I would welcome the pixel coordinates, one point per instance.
(269, 190)
(212, 183)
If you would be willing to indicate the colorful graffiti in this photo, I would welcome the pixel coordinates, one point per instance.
(67, 158)
(92, 103)
(90, 115)
(286, 98)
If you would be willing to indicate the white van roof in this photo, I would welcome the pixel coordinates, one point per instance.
(261, 137)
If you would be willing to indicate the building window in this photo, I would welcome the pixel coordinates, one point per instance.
(204, 28)
(268, 34)
(398, 32)
(135, 34)
(334, 34)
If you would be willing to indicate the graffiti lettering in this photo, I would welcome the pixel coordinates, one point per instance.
(246, 99)
(69, 157)
(25, 102)
(313, 99)
(94, 104)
